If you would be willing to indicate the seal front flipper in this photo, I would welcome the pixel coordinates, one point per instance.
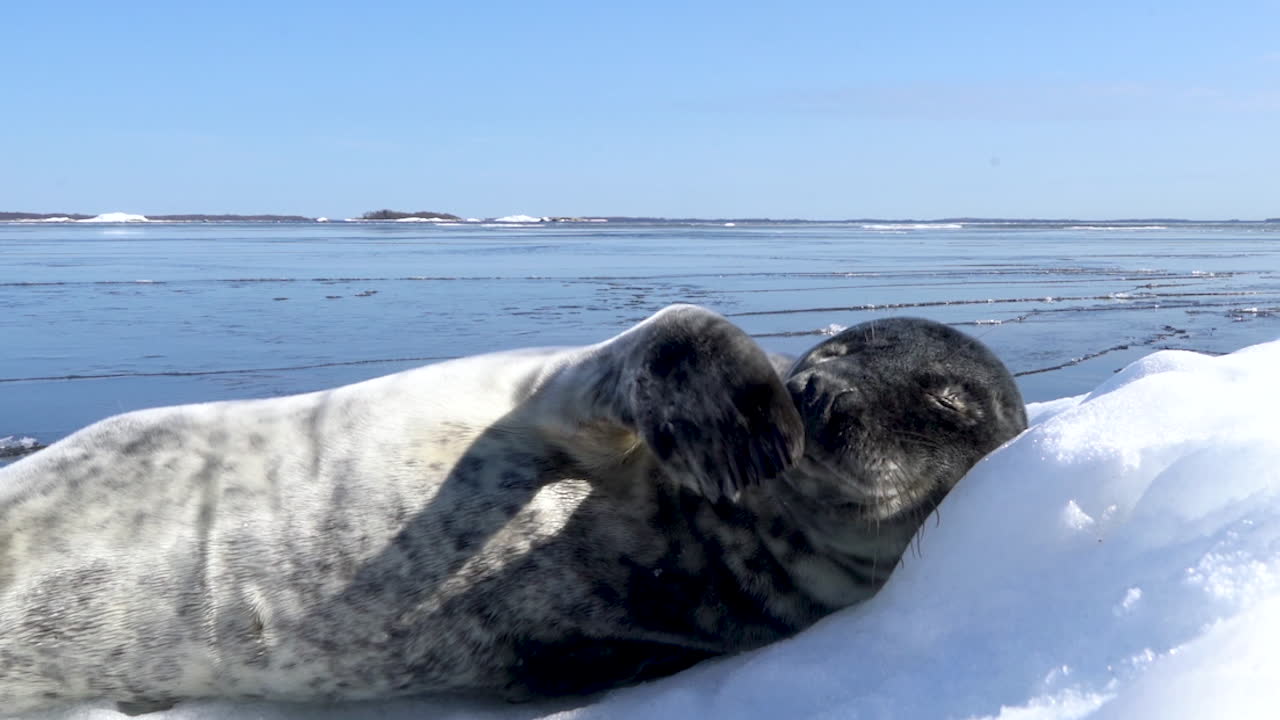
(698, 391)
(710, 405)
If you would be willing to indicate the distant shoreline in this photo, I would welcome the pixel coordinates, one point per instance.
(118, 217)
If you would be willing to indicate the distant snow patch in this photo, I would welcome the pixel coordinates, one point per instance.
(116, 217)
(518, 219)
(12, 445)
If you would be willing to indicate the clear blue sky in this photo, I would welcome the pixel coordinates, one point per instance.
(796, 109)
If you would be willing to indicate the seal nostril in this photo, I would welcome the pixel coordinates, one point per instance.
(811, 388)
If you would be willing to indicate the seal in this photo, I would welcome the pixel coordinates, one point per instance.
(523, 524)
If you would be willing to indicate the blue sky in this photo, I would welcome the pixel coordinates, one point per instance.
(712, 109)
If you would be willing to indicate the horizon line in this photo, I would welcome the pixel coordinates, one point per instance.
(26, 216)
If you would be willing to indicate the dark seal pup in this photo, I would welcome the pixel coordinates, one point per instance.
(524, 524)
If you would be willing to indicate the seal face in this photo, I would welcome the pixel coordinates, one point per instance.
(896, 411)
(525, 523)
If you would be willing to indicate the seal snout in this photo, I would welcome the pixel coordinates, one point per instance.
(815, 395)
(829, 408)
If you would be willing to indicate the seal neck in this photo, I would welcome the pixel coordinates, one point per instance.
(864, 550)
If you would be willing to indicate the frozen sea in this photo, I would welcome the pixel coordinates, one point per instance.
(98, 319)
(1120, 559)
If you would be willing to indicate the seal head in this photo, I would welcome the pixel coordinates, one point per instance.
(896, 411)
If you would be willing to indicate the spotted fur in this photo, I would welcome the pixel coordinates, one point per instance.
(524, 524)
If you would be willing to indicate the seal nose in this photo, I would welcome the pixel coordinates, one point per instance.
(806, 393)
(811, 391)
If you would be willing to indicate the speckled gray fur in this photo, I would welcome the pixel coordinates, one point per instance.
(523, 524)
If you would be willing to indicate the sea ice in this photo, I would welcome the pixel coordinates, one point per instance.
(1120, 559)
(913, 226)
(518, 219)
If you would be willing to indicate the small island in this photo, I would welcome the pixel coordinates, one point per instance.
(386, 214)
(14, 446)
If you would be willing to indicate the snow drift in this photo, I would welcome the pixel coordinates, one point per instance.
(1120, 559)
(116, 217)
(518, 219)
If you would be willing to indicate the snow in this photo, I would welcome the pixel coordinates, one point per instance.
(115, 217)
(1120, 559)
(518, 219)
(11, 445)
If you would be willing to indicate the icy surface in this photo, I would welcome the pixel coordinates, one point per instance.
(518, 219)
(913, 226)
(1120, 559)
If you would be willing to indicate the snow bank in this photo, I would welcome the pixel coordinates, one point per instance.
(1120, 559)
(116, 217)
(518, 219)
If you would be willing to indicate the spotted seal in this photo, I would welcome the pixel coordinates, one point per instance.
(524, 524)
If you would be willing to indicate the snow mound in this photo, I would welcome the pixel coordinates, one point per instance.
(518, 219)
(116, 217)
(1120, 559)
